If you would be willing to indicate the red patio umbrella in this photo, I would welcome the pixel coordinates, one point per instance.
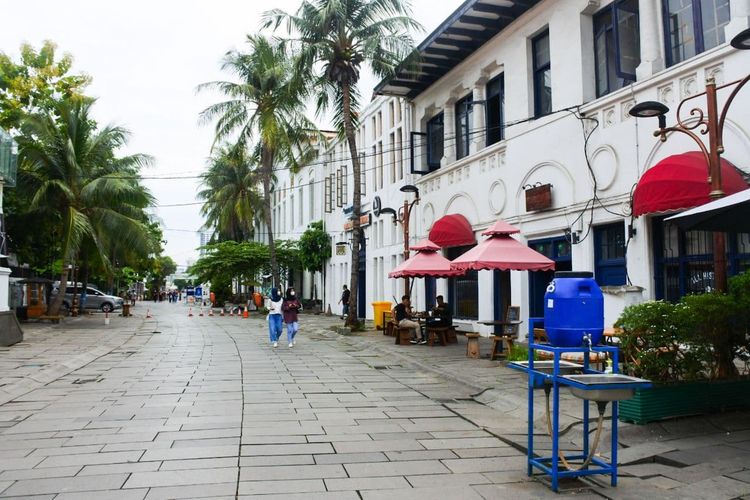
(501, 252)
(426, 263)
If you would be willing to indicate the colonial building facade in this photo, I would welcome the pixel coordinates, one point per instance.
(519, 111)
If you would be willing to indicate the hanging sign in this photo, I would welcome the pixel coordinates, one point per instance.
(364, 221)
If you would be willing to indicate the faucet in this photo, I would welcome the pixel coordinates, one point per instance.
(587, 341)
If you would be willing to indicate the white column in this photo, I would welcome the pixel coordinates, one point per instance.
(449, 132)
(740, 18)
(479, 113)
(652, 60)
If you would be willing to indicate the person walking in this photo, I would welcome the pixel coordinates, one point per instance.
(290, 308)
(274, 316)
(344, 301)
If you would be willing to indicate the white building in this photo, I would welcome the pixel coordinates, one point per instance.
(517, 95)
(512, 95)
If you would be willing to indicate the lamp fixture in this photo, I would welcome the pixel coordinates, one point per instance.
(648, 109)
(741, 40)
(410, 188)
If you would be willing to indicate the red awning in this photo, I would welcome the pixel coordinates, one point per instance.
(452, 230)
(680, 182)
(501, 252)
(426, 263)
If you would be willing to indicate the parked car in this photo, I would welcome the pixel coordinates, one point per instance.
(95, 299)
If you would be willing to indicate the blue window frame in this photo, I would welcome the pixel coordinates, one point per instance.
(609, 254)
(464, 113)
(684, 259)
(693, 26)
(542, 75)
(616, 46)
(435, 139)
(495, 109)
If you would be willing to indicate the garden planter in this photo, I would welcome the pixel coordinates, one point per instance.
(685, 398)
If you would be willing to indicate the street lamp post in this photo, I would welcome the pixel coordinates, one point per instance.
(403, 215)
(698, 123)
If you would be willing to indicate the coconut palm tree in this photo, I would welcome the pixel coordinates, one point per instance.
(265, 105)
(232, 203)
(93, 197)
(338, 36)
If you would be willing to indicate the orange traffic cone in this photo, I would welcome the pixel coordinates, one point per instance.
(106, 318)
(222, 312)
(190, 312)
(148, 314)
(245, 314)
(211, 312)
(201, 312)
(231, 312)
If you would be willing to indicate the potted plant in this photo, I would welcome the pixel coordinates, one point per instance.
(696, 352)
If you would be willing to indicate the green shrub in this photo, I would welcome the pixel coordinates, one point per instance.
(520, 353)
(654, 345)
(702, 337)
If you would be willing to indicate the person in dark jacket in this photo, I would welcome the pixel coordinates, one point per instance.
(290, 308)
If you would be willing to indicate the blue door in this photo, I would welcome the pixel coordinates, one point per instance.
(362, 284)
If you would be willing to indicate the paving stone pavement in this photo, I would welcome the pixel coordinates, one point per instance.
(204, 407)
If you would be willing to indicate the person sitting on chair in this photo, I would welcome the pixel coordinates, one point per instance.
(441, 314)
(404, 319)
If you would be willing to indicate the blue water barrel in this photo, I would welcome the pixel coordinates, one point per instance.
(573, 307)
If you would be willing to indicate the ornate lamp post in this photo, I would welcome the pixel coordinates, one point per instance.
(696, 124)
(403, 215)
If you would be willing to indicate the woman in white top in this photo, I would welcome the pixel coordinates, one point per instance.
(274, 316)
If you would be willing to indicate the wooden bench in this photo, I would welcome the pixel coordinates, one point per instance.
(388, 323)
(54, 319)
(403, 335)
(437, 333)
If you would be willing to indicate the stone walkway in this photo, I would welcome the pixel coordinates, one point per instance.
(203, 407)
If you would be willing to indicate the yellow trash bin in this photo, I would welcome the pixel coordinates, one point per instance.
(380, 308)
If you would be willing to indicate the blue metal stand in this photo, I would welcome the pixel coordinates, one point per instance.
(551, 465)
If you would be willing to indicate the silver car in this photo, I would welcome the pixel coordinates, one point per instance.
(94, 300)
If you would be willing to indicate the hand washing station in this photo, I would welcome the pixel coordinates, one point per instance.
(574, 322)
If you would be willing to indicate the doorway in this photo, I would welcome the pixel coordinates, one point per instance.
(558, 250)
(362, 284)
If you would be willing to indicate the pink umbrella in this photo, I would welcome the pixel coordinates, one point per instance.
(426, 263)
(501, 252)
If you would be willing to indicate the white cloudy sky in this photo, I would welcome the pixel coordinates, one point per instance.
(146, 58)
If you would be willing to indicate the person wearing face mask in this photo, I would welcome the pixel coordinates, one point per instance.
(275, 303)
(291, 307)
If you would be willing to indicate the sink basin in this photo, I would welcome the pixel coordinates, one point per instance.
(566, 367)
(605, 386)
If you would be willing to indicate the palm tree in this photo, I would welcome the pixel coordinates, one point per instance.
(231, 200)
(339, 36)
(94, 197)
(267, 105)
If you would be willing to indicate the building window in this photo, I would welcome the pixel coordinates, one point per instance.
(311, 198)
(609, 250)
(542, 75)
(399, 154)
(463, 291)
(464, 111)
(693, 26)
(684, 259)
(495, 109)
(392, 156)
(435, 137)
(616, 46)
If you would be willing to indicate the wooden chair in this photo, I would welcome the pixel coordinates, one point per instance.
(450, 335)
(497, 345)
(388, 323)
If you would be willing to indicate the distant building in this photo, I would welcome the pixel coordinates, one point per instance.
(205, 237)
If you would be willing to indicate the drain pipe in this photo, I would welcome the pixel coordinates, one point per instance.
(601, 406)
